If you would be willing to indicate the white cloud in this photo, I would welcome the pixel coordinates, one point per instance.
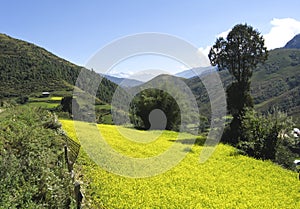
(223, 34)
(204, 51)
(281, 32)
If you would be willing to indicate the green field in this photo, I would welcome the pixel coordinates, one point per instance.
(46, 102)
(45, 105)
(103, 107)
(225, 180)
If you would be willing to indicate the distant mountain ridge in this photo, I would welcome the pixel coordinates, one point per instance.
(294, 43)
(123, 82)
(200, 71)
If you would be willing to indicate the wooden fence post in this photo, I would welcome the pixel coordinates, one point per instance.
(78, 194)
(71, 152)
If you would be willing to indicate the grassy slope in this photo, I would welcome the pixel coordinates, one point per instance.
(226, 180)
(27, 69)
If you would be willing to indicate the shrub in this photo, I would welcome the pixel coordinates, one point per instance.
(32, 171)
(266, 137)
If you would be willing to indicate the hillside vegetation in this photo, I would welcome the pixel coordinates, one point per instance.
(33, 173)
(276, 83)
(226, 180)
(32, 168)
(27, 69)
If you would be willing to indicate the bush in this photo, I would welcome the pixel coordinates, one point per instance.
(22, 99)
(152, 99)
(32, 168)
(266, 137)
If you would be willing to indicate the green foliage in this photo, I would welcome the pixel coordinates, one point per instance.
(267, 137)
(274, 83)
(26, 69)
(237, 99)
(171, 101)
(32, 170)
(103, 114)
(66, 104)
(45, 105)
(22, 99)
(204, 124)
(226, 180)
(277, 83)
(149, 100)
(239, 53)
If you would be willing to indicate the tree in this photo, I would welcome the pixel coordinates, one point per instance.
(152, 99)
(66, 104)
(239, 53)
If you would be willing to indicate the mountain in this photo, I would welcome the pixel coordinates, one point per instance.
(27, 69)
(294, 43)
(146, 75)
(140, 76)
(194, 72)
(275, 83)
(123, 82)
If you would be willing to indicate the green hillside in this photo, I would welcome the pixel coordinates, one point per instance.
(28, 69)
(276, 83)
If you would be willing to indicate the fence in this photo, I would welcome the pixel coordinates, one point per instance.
(71, 150)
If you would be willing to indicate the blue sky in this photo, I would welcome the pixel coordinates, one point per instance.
(75, 30)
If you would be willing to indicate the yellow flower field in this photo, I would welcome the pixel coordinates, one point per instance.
(225, 180)
(56, 98)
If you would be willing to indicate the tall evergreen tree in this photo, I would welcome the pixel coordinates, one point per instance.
(239, 53)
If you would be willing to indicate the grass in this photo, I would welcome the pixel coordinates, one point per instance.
(45, 105)
(103, 107)
(44, 102)
(225, 180)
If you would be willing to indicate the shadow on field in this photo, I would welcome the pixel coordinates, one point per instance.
(199, 141)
